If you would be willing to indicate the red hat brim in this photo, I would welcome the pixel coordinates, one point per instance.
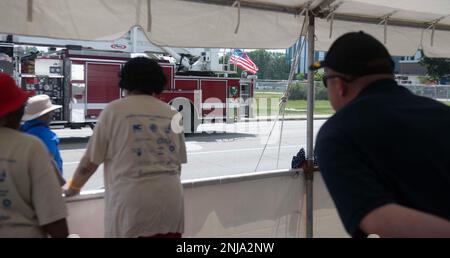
(15, 103)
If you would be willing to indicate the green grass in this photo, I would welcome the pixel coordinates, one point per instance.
(294, 107)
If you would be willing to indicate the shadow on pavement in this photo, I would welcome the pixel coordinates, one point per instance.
(67, 143)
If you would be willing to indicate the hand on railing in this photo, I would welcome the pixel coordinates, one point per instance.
(71, 190)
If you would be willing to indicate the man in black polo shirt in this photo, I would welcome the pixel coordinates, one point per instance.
(385, 154)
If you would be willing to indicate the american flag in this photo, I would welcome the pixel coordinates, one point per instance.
(241, 59)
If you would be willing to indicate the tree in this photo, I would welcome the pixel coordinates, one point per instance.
(436, 67)
(300, 76)
(31, 50)
(318, 76)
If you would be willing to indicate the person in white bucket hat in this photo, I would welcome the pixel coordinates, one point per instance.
(39, 106)
(37, 117)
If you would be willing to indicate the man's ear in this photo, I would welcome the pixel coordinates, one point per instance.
(342, 88)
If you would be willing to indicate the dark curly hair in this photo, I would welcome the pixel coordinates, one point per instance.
(142, 74)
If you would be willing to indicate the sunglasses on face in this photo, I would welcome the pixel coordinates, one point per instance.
(325, 79)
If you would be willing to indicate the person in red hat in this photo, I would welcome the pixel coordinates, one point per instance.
(31, 203)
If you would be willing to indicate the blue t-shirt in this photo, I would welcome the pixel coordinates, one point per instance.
(41, 130)
(386, 146)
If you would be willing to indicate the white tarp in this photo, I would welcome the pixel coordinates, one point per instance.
(400, 40)
(213, 23)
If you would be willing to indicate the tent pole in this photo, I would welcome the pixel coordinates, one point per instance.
(309, 132)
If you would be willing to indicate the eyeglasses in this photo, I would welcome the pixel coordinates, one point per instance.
(325, 79)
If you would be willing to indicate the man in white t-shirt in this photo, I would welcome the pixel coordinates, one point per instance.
(31, 203)
(142, 150)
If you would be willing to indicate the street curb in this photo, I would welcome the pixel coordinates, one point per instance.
(74, 140)
(285, 119)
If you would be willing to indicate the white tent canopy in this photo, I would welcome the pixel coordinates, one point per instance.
(230, 23)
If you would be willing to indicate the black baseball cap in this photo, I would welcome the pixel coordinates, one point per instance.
(357, 54)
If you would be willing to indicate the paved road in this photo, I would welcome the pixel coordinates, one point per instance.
(233, 149)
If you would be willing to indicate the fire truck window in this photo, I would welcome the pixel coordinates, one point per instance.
(77, 72)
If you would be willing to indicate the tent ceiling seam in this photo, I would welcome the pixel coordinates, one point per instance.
(433, 28)
(237, 4)
(253, 5)
(30, 10)
(149, 15)
(392, 22)
(330, 16)
(384, 21)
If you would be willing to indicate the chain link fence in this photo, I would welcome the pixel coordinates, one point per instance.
(272, 85)
(438, 92)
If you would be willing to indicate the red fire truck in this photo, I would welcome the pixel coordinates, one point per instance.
(85, 81)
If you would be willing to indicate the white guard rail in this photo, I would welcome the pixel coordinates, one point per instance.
(266, 204)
